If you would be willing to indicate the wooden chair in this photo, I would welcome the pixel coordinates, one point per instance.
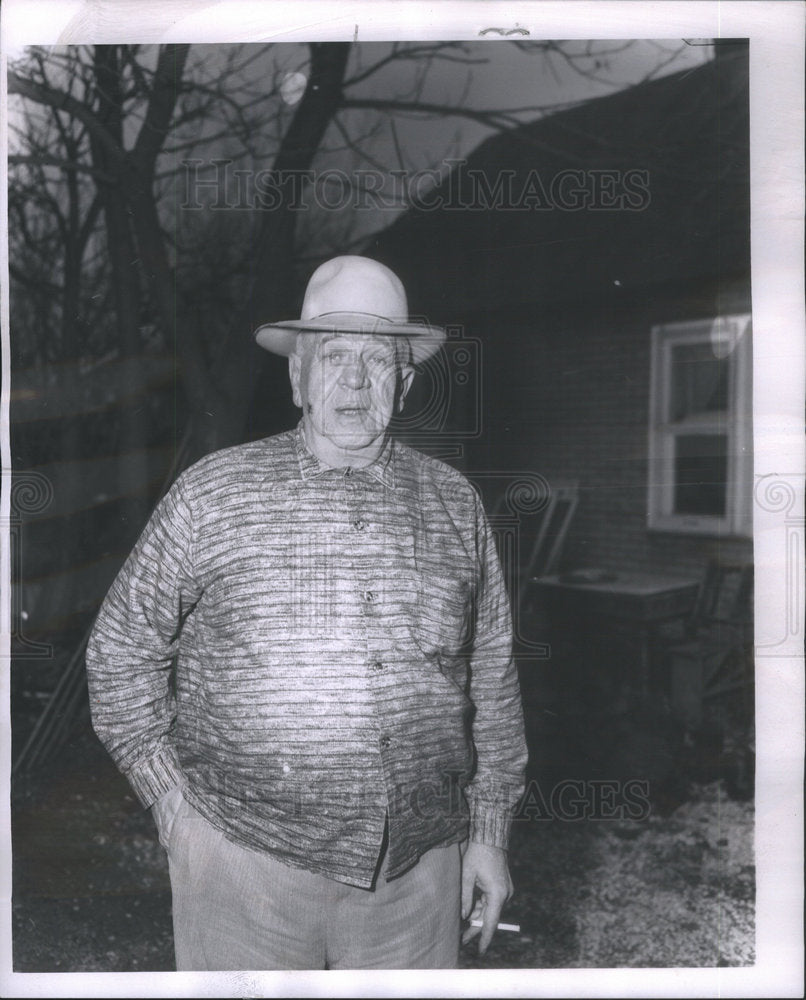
(534, 553)
(550, 538)
(714, 658)
(551, 525)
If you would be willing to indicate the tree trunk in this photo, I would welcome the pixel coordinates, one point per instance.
(272, 296)
(126, 288)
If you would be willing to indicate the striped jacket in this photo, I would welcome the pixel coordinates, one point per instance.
(342, 649)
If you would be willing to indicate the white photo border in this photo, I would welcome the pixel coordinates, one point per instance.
(776, 32)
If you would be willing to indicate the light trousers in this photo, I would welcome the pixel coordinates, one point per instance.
(234, 908)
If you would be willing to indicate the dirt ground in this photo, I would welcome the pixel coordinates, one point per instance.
(671, 884)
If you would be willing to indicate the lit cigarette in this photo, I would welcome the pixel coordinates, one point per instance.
(501, 927)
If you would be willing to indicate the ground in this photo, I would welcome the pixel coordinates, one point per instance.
(668, 883)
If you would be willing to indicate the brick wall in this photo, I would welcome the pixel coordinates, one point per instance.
(566, 395)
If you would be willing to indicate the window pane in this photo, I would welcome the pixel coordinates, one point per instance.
(699, 381)
(701, 473)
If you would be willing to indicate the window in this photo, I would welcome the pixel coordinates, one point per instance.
(700, 427)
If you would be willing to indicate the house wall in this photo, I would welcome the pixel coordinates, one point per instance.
(566, 396)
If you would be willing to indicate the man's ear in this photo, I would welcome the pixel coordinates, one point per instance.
(294, 370)
(404, 384)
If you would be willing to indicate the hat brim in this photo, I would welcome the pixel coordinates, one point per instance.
(281, 338)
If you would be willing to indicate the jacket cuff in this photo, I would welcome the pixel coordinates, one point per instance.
(152, 778)
(490, 826)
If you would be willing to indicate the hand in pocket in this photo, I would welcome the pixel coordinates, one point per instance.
(164, 811)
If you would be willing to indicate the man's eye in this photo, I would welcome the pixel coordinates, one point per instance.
(380, 360)
(334, 357)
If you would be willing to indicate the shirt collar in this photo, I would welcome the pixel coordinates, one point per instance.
(382, 469)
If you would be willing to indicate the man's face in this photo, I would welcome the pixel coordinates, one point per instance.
(348, 386)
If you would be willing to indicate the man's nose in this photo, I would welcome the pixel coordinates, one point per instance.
(354, 373)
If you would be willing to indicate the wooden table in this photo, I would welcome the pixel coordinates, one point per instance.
(580, 604)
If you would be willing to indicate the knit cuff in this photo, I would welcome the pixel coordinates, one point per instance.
(150, 779)
(490, 826)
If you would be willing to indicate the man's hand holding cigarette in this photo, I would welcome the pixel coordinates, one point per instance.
(485, 868)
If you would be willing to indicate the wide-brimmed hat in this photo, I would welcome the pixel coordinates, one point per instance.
(353, 294)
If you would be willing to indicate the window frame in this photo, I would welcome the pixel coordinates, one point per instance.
(730, 334)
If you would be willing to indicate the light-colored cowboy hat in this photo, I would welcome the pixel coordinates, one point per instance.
(353, 295)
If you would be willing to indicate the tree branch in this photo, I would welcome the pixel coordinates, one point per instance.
(161, 105)
(47, 159)
(58, 99)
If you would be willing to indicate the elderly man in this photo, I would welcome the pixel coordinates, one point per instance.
(334, 760)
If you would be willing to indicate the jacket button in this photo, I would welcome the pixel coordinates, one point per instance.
(386, 742)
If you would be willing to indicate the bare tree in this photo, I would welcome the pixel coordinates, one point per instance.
(135, 112)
